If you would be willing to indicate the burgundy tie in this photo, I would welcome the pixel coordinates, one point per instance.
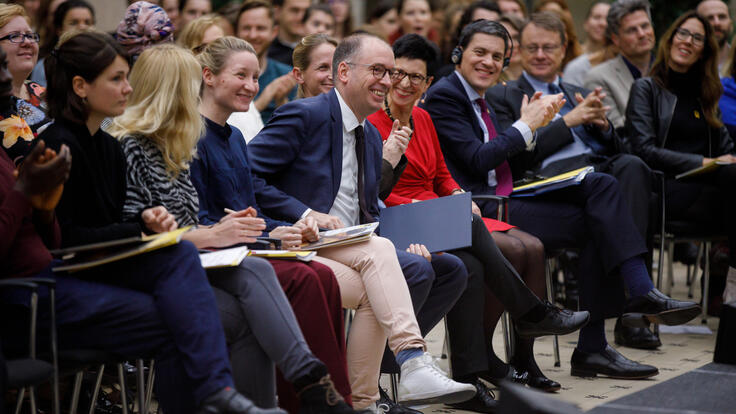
(504, 181)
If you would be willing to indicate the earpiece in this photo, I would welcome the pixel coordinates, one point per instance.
(457, 55)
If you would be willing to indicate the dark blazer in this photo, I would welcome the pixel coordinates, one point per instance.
(648, 117)
(506, 100)
(299, 152)
(461, 138)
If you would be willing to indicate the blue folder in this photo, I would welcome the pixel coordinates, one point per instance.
(441, 224)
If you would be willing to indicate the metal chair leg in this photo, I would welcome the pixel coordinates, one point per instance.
(141, 388)
(149, 385)
(19, 401)
(75, 392)
(550, 298)
(394, 387)
(96, 391)
(123, 396)
(691, 289)
(508, 336)
(706, 282)
(447, 348)
(670, 268)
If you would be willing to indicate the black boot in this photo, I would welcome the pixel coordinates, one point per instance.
(640, 338)
(318, 395)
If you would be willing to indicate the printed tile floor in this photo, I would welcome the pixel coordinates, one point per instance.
(678, 354)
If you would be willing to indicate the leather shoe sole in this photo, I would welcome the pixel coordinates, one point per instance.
(668, 317)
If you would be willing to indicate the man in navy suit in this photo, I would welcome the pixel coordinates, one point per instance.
(581, 135)
(591, 216)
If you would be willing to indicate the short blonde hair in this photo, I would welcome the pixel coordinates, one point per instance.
(215, 55)
(10, 11)
(164, 104)
(192, 34)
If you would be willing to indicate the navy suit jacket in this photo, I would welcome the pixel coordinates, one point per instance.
(299, 152)
(461, 138)
(506, 101)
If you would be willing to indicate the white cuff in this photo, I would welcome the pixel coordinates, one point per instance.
(526, 133)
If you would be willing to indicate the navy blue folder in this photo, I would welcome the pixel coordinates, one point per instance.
(441, 224)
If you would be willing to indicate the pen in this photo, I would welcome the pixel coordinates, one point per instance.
(228, 211)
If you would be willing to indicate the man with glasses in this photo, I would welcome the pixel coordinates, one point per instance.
(482, 150)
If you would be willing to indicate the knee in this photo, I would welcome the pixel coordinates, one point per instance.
(417, 270)
(325, 275)
(601, 182)
(534, 248)
(514, 251)
(451, 267)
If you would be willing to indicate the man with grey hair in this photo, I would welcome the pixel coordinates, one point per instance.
(630, 29)
(716, 12)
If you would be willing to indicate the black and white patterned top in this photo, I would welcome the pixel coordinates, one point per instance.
(149, 185)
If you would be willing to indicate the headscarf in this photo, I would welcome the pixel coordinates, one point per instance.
(145, 24)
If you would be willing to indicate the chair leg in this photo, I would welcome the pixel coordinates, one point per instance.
(149, 385)
(123, 391)
(75, 392)
(446, 348)
(508, 339)
(96, 391)
(550, 298)
(670, 268)
(19, 401)
(141, 391)
(394, 387)
(32, 399)
(691, 290)
(706, 282)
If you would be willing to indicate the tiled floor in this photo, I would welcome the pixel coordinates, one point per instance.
(679, 353)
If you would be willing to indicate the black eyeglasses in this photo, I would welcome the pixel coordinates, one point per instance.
(547, 49)
(416, 79)
(18, 37)
(378, 71)
(684, 34)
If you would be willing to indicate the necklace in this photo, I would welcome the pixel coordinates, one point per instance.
(388, 112)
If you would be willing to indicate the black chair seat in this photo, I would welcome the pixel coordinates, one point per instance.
(74, 360)
(28, 372)
(691, 229)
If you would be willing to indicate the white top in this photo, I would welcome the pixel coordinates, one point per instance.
(249, 123)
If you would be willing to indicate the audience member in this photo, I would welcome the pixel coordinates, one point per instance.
(674, 125)
(453, 14)
(595, 29)
(513, 25)
(276, 85)
(33, 8)
(718, 15)
(144, 25)
(158, 133)
(383, 303)
(288, 16)
(415, 16)
(70, 15)
(630, 30)
(514, 7)
(384, 19)
(313, 65)
(591, 215)
(426, 177)
(200, 32)
(343, 19)
(171, 7)
(319, 19)
(191, 9)
(553, 6)
(147, 302)
(46, 16)
(727, 103)
(21, 48)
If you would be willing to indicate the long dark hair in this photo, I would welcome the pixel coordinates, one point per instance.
(85, 54)
(704, 69)
(57, 22)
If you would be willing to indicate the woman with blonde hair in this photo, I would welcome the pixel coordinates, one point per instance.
(201, 31)
(313, 64)
(159, 133)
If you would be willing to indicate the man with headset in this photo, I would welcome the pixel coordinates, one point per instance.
(591, 215)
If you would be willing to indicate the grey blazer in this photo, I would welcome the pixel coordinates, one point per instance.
(616, 80)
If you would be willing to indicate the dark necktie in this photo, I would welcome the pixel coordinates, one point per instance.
(553, 90)
(504, 181)
(365, 217)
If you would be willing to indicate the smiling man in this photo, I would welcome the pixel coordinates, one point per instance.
(592, 216)
(716, 12)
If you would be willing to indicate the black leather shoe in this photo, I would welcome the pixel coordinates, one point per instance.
(483, 401)
(556, 322)
(228, 401)
(512, 375)
(543, 383)
(390, 407)
(610, 363)
(321, 397)
(656, 307)
(639, 338)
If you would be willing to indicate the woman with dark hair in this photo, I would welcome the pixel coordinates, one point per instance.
(319, 19)
(190, 10)
(426, 177)
(384, 19)
(674, 125)
(415, 16)
(87, 83)
(343, 19)
(595, 29)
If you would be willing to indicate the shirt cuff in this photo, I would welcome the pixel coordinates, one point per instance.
(526, 133)
(305, 213)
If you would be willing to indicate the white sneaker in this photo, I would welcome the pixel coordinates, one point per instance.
(422, 382)
(376, 408)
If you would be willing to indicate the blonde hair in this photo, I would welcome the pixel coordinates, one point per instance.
(192, 34)
(215, 55)
(163, 106)
(302, 56)
(10, 11)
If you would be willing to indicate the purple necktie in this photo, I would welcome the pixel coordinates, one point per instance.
(504, 181)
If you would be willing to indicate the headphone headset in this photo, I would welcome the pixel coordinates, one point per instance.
(487, 27)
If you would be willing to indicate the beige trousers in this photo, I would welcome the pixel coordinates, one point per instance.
(371, 282)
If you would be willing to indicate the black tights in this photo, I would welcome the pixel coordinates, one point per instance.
(526, 253)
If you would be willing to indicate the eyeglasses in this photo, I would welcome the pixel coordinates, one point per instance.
(379, 71)
(416, 79)
(18, 37)
(684, 34)
(547, 49)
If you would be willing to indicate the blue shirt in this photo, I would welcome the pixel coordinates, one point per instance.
(274, 69)
(221, 174)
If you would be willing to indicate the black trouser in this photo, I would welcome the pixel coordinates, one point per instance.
(708, 199)
(3, 380)
(486, 265)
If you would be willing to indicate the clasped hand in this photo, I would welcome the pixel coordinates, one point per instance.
(540, 110)
(589, 110)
